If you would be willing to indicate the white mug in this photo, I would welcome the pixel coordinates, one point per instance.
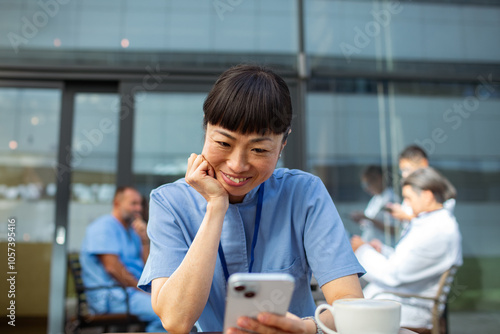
(362, 316)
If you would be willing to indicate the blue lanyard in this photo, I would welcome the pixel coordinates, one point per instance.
(254, 240)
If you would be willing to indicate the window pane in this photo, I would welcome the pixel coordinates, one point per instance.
(29, 130)
(168, 128)
(401, 31)
(344, 135)
(458, 129)
(94, 161)
(124, 27)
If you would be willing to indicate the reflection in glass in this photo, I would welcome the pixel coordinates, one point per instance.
(146, 28)
(168, 128)
(93, 160)
(344, 123)
(402, 31)
(457, 124)
(29, 130)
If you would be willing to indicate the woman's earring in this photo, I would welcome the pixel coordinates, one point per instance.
(280, 155)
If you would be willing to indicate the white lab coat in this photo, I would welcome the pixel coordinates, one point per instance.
(431, 246)
(449, 205)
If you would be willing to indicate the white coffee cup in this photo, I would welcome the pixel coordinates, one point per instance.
(362, 316)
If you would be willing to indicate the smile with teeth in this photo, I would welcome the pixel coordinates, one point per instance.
(236, 179)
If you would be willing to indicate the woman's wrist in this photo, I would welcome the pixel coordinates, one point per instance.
(218, 204)
(312, 326)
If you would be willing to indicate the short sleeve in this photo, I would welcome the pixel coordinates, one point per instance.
(168, 246)
(328, 250)
(102, 238)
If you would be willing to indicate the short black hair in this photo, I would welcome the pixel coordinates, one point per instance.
(372, 172)
(413, 153)
(249, 99)
(120, 190)
(430, 179)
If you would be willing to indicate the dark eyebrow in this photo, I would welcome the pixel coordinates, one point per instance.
(255, 140)
(259, 139)
(224, 133)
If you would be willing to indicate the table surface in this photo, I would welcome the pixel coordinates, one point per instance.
(401, 331)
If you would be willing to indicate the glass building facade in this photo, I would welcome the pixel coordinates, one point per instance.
(95, 94)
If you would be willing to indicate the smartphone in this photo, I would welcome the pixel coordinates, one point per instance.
(386, 208)
(248, 294)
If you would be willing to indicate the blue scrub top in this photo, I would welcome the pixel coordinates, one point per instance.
(106, 235)
(300, 233)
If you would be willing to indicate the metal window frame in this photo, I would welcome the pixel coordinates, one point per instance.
(58, 271)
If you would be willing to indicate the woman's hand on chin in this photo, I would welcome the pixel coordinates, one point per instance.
(201, 176)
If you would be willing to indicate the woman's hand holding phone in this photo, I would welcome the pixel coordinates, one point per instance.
(270, 323)
(201, 176)
(258, 302)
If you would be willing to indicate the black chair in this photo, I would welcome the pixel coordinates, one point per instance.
(84, 319)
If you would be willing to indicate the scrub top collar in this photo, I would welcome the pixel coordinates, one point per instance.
(116, 221)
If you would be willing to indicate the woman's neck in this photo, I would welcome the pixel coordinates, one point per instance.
(434, 207)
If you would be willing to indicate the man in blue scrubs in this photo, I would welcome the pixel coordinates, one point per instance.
(113, 252)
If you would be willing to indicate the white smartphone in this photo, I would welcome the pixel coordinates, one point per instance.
(248, 294)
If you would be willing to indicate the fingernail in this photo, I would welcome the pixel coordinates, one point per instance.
(243, 322)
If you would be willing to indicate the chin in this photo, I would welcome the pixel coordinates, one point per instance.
(237, 193)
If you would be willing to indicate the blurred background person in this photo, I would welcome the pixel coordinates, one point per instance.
(431, 246)
(375, 222)
(412, 158)
(114, 250)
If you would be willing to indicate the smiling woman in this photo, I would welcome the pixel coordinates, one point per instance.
(241, 162)
(235, 212)
(248, 114)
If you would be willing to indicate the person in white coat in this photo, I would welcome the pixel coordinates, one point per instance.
(430, 246)
(412, 158)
